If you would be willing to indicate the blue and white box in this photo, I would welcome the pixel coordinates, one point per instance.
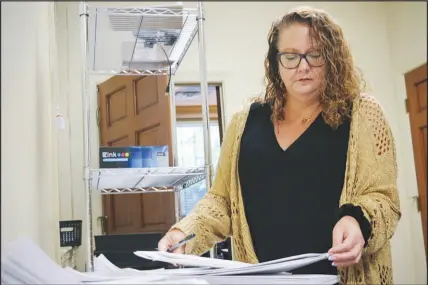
(134, 156)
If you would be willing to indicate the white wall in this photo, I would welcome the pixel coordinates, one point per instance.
(29, 165)
(70, 139)
(236, 44)
(407, 32)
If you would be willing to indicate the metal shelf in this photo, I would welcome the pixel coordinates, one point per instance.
(137, 40)
(145, 180)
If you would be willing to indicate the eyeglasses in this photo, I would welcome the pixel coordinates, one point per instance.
(291, 60)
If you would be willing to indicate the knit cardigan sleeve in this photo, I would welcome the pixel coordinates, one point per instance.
(375, 184)
(210, 220)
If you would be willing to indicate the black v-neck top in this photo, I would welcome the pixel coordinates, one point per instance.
(291, 196)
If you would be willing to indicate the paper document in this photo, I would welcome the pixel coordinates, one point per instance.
(272, 279)
(23, 262)
(227, 267)
(189, 260)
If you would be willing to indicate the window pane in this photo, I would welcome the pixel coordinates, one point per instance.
(190, 146)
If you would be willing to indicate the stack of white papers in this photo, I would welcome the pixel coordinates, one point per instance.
(23, 262)
(189, 260)
(202, 273)
(218, 271)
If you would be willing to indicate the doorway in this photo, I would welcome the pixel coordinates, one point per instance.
(134, 111)
(416, 88)
(190, 140)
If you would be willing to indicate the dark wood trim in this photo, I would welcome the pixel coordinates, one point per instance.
(418, 120)
(219, 112)
(194, 112)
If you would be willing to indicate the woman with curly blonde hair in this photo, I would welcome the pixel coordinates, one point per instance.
(309, 168)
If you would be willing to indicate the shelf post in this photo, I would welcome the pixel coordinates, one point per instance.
(204, 94)
(177, 194)
(86, 127)
(205, 104)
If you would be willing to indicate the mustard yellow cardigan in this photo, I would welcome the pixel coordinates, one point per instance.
(370, 182)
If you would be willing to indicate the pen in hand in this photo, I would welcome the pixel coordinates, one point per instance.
(181, 243)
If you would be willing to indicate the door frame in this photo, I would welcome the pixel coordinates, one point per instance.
(416, 146)
(220, 100)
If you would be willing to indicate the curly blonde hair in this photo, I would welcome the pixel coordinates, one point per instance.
(343, 81)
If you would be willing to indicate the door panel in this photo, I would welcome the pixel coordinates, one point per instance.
(134, 111)
(416, 85)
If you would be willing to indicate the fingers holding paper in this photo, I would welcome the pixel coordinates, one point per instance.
(171, 238)
(348, 243)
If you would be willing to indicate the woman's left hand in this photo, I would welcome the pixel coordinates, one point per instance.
(348, 242)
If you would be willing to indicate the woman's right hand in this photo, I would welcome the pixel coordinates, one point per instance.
(172, 237)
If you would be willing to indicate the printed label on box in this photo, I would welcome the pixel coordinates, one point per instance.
(134, 157)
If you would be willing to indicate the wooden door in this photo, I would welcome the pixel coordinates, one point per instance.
(416, 85)
(134, 111)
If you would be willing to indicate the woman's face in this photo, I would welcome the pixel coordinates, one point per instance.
(303, 81)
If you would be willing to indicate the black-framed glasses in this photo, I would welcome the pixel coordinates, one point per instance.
(291, 60)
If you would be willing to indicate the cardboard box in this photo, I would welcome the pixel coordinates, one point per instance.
(134, 157)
